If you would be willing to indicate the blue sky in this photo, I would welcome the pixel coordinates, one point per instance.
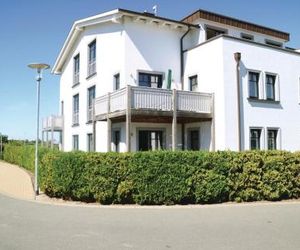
(33, 31)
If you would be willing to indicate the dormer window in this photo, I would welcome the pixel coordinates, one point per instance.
(273, 43)
(247, 37)
(212, 32)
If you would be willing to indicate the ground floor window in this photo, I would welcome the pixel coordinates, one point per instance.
(272, 139)
(150, 140)
(90, 143)
(255, 138)
(194, 139)
(75, 142)
(116, 140)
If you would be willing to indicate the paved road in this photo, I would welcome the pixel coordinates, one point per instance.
(31, 225)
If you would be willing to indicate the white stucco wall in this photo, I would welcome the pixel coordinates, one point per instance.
(285, 115)
(110, 60)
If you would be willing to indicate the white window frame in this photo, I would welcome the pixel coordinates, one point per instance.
(261, 139)
(278, 137)
(260, 83)
(276, 85)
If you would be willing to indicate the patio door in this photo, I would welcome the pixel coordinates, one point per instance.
(150, 140)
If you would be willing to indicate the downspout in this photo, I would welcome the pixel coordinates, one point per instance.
(237, 57)
(181, 58)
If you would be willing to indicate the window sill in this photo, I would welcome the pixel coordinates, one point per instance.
(90, 76)
(74, 85)
(75, 125)
(263, 100)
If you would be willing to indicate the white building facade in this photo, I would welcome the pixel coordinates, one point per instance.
(134, 81)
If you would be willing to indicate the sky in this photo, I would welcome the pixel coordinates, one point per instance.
(34, 31)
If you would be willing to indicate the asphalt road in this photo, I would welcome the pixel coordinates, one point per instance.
(29, 225)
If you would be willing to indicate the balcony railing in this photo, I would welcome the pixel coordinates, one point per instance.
(91, 68)
(75, 118)
(152, 99)
(90, 114)
(76, 78)
(53, 122)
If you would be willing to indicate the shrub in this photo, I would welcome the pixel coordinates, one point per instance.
(164, 177)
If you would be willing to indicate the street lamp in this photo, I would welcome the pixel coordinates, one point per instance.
(39, 68)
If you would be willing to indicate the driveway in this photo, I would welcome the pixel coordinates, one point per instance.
(34, 225)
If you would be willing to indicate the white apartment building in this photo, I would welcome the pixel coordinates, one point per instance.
(135, 81)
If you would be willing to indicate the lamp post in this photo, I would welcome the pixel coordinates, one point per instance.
(39, 67)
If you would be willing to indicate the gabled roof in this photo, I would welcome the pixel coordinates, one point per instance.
(110, 16)
(214, 17)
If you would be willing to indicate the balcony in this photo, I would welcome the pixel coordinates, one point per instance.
(53, 123)
(152, 102)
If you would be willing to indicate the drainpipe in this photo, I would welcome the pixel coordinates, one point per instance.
(237, 57)
(181, 58)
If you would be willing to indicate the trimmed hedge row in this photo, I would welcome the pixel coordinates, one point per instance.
(165, 177)
(22, 156)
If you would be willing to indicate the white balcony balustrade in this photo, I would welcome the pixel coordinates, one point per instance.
(54, 123)
(152, 99)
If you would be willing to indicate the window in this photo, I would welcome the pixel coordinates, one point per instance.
(270, 87)
(90, 143)
(116, 140)
(76, 70)
(194, 139)
(273, 43)
(90, 101)
(92, 58)
(76, 109)
(255, 138)
(272, 139)
(193, 83)
(212, 32)
(150, 80)
(247, 36)
(116, 81)
(75, 142)
(150, 140)
(253, 85)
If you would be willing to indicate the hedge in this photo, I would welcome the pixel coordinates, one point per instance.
(165, 177)
(22, 156)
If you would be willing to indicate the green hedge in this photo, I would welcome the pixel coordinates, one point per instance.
(22, 156)
(165, 177)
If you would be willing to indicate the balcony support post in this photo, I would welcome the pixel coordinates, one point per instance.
(183, 136)
(47, 139)
(108, 124)
(52, 132)
(174, 122)
(128, 119)
(213, 130)
(94, 127)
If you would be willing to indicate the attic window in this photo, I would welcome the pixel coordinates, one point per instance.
(247, 36)
(212, 32)
(273, 43)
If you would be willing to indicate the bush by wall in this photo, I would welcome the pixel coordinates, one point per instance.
(165, 177)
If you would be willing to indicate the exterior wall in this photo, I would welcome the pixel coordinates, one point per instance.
(217, 74)
(206, 61)
(285, 115)
(110, 45)
(151, 47)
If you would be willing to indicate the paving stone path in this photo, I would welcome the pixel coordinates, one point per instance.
(15, 182)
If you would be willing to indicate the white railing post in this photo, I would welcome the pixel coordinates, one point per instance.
(174, 122)
(128, 119)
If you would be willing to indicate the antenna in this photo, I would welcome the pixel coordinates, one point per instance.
(154, 8)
